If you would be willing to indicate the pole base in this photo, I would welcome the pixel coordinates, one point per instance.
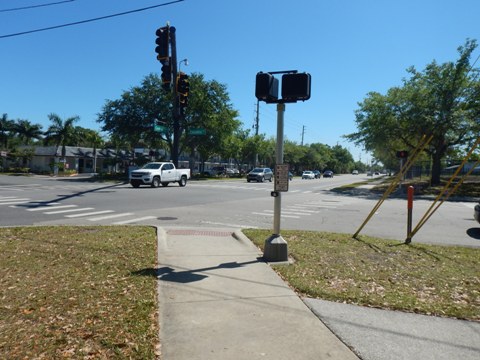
(276, 249)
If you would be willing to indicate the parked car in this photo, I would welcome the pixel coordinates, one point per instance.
(215, 171)
(260, 175)
(355, 172)
(290, 176)
(232, 172)
(476, 212)
(318, 174)
(328, 173)
(308, 175)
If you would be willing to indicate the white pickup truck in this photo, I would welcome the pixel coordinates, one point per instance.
(156, 173)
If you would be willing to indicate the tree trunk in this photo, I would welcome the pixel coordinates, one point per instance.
(191, 160)
(436, 169)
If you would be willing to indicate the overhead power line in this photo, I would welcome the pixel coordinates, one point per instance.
(35, 6)
(90, 20)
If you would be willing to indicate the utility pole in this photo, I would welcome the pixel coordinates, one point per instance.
(303, 133)
(257, 120)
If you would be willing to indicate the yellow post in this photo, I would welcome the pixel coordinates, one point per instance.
(423, 143)
(430, 212)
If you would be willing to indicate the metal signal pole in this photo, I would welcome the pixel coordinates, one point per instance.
(176, 107)
(276, 248)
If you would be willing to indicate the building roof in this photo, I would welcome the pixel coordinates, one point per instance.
(76, 151)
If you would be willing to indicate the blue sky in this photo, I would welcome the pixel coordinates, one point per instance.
(350, 47)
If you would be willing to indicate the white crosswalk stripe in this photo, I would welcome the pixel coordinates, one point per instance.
(55, 208)
(89, 213)
(271, 214)
(298, 210)
(68, 211)
(50, 207)
(252, 187)
(134, 220)
(301, 210)
(12, 200)
(114, 216)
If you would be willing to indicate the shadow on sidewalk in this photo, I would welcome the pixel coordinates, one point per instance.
(167, 273)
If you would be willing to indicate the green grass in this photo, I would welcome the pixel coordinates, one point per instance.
(427, 279)
(78, 292)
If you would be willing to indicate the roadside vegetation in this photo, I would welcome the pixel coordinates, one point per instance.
(419, 278)
(469, 188)
(439, 102)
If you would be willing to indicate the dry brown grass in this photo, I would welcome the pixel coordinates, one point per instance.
(77, 292)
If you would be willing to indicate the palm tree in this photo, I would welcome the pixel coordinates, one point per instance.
(6, 126)
(118, 143)
(27, 131)
(61, 132)
(94, 139)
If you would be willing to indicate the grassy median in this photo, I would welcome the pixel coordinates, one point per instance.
(427, 279)
(78, 292)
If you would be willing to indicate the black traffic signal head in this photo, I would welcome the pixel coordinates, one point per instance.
(183, 99)
(166, 74)
(162, 41)
(402, 154)
(296, 86)
(183, 88)
(183, 84)
(266, 87)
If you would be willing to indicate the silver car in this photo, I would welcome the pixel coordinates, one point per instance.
(260, 175)
(308, 175)
(476, 212)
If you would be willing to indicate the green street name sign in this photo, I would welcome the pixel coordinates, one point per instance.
(199, 131)
(160, 128)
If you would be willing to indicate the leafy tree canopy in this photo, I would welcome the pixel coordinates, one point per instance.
(441, 101)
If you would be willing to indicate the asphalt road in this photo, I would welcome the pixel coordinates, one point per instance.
(309, 205)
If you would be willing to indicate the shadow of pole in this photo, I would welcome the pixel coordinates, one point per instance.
(169, 274)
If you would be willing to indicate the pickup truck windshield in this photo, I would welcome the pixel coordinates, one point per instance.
(151, 166)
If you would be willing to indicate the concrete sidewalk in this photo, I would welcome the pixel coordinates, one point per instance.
(218, 300)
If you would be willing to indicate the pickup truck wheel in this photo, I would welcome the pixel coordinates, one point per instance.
(164, 184)
(155, 182)
(183, 181)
